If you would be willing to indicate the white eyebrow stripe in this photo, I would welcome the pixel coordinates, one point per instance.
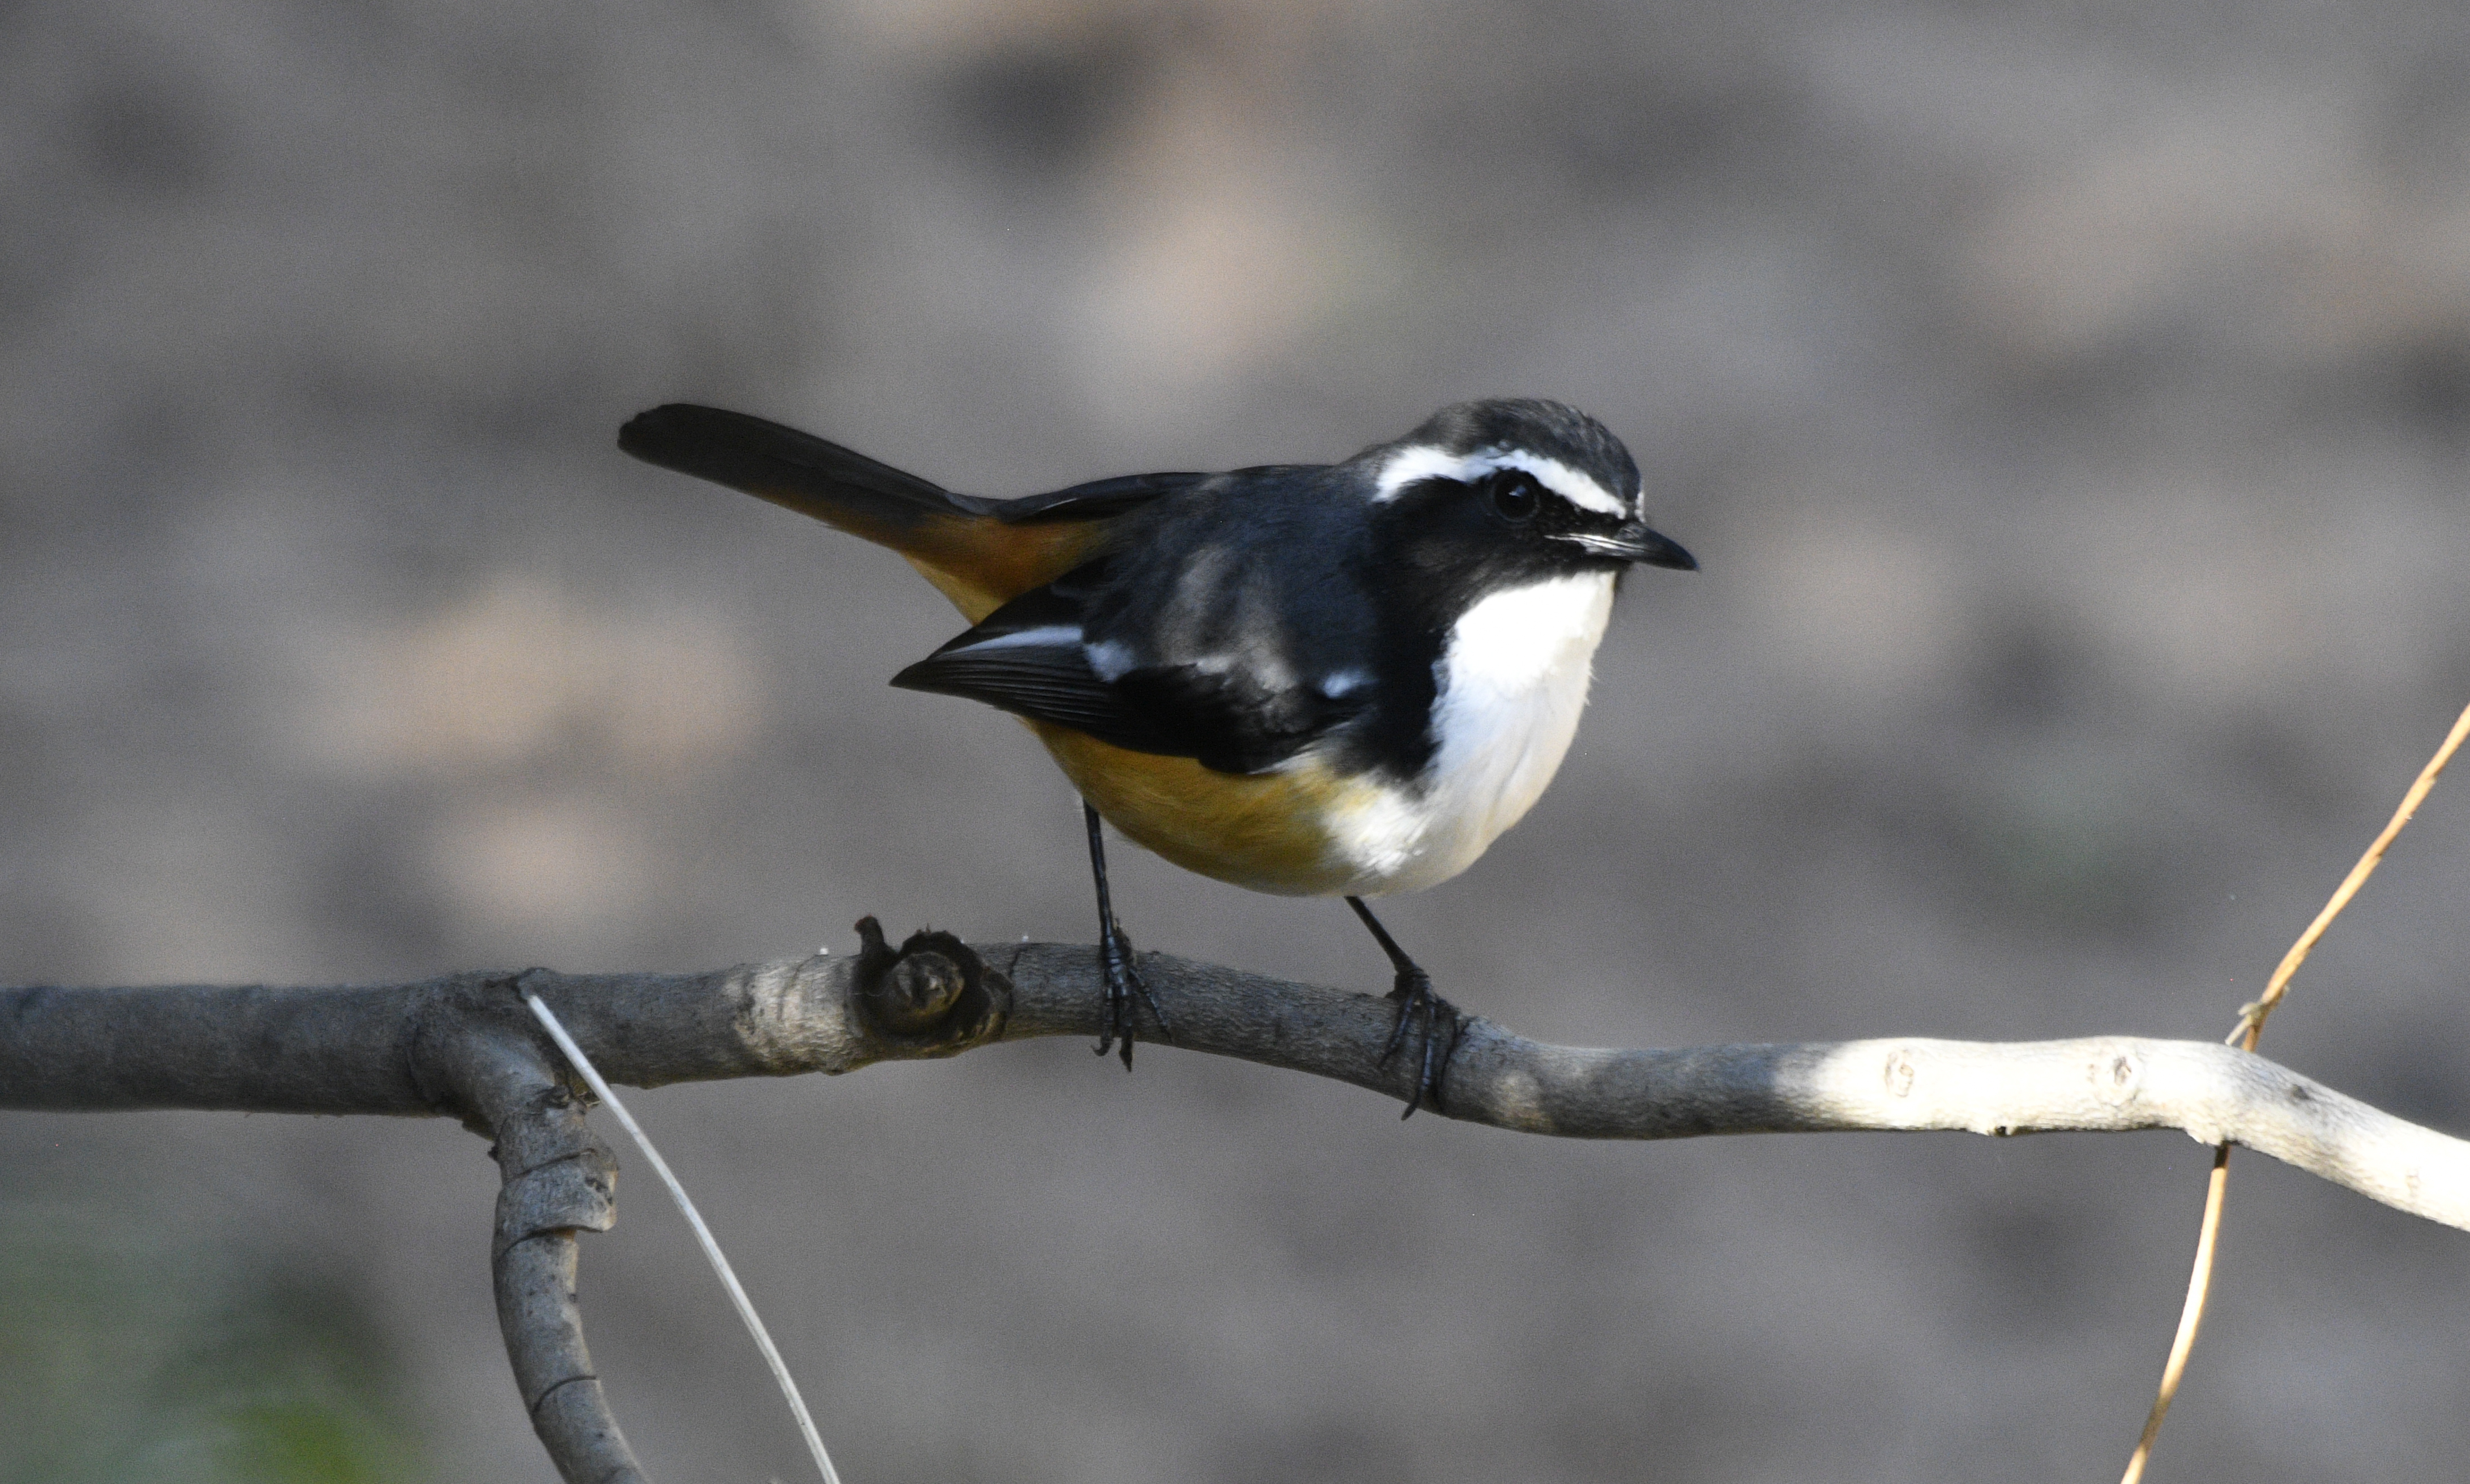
(1421, 461)
(1412, 465)
(1571, 485)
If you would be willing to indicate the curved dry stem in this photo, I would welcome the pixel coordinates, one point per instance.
(2191, 1316)
(2252, 1017)
(2247, 1032)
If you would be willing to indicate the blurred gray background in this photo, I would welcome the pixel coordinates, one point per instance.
(2070, 405)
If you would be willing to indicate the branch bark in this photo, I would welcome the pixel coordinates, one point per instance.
(460, 1047)
(465, 1047)
(557, 1179)
(362, 1050)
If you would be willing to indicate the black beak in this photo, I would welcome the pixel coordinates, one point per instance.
(1654, 548)
(1635, 542)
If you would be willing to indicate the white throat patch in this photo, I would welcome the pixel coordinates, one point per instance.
(1421, 461)
(1513, 678)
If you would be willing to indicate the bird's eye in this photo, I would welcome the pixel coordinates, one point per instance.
(1515, 496)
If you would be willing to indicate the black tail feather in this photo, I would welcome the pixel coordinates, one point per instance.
(787, 467)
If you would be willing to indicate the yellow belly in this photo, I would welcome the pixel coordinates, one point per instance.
(1259, 830)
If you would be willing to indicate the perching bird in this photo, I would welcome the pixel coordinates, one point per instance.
(1340, 680)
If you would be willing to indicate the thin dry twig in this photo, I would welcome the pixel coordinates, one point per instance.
(2250, 1031)
(2251, 1026)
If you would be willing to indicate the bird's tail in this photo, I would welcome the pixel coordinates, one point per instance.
(962, 544)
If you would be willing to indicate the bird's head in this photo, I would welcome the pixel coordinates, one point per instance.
(1503, 492)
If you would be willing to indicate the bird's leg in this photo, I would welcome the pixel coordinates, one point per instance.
(1415, 998)
(1115, 961)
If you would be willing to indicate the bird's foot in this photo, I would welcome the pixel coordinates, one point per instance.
(1441, 1025)
(1116, 1018)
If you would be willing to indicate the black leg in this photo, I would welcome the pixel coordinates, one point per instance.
(1414, 994)
(1115, 960)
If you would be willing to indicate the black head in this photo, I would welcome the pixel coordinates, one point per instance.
(1500, 493)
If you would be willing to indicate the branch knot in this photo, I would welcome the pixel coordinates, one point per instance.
(933, 996)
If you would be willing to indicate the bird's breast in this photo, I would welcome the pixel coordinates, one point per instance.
(1511, 681)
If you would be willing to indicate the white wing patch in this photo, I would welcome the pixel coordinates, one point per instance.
(1421, 461)
(1112, 659)
(1055, 636)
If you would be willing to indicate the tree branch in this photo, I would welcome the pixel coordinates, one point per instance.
(465, 1047)
(460, 1046)
(557, 1179)
(368, 1049)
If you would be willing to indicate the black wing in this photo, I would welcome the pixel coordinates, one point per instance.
(1029, 658)
(1034, 658)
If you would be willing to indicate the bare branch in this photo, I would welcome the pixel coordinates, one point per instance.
(558, 1179)
(461, 1047)
(578, 1060)
(359, 1051)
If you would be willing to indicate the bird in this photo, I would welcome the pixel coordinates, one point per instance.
(1309, 680)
